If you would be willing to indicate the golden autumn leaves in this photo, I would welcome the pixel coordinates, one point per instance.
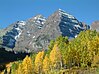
(25, 67)
(81, 52)
(39, 62)
(42, 64)
(55, 57)
(50, 62)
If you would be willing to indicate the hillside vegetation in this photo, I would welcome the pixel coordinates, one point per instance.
(76, 56)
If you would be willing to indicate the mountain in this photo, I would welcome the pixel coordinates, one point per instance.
(35, 33)
(20, 33)
(62, 23)
(95, 26)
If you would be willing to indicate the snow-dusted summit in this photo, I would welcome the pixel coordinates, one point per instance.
(35, 33)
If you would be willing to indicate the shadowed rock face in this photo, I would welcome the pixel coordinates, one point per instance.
(95, 26)
(35, 33)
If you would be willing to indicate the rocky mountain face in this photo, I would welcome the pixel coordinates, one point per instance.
(35, 33)
(95, 26)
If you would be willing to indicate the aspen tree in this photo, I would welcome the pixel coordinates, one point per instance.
(55, 57)
(46, 64)
(27, 66)
(39, 61)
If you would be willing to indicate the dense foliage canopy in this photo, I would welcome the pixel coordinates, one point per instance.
(62, 54)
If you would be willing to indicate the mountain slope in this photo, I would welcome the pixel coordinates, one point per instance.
(35, 33)
(64, 23)
(95, 26)
(59, 23)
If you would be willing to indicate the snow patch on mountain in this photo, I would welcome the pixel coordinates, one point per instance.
(76, 36)
(12, 35)
(78, 26)
(62, 12)
(36, 32)
(19, 27)
(22, 23)
(39, 19)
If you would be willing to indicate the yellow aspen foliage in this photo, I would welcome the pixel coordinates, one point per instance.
(93, 46)
(8, 66)
(19, 70)
(46, 64)
(39, 62)
(27, 67)
(96, 60)
(55, 57)
(2, 72)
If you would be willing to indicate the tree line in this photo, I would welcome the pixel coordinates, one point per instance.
(62, 54)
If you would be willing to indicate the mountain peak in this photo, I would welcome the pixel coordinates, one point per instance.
(36, 32)
(60, 9)
(95, 26)
(64, 13)
(38, 16)
(39, 19)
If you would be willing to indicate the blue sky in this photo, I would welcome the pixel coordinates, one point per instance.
(13, 10)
